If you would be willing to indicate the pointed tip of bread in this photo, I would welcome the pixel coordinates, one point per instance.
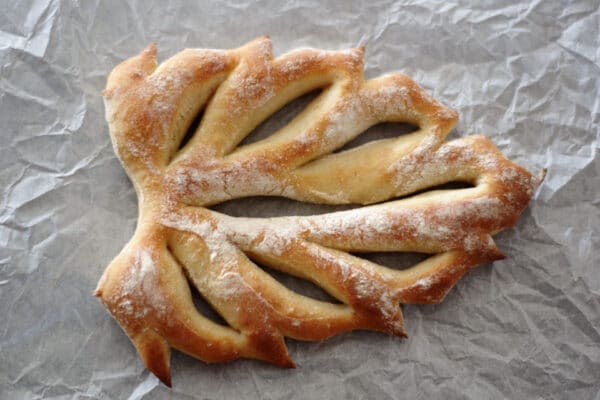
(155, 352)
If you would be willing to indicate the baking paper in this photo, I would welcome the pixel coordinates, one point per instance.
(527, 74)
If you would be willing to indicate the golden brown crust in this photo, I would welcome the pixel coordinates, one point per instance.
(178, 241)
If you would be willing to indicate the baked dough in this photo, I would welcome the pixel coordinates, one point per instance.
(179, 241)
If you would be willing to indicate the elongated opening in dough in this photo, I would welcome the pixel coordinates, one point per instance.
(381, 131)
(299, 285)
(191, 130)
(274, 206)
(281, 118)
(395, 260)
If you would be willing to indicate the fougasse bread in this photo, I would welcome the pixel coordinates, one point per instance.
(180, 241)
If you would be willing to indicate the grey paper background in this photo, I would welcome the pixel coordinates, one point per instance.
(526, 74)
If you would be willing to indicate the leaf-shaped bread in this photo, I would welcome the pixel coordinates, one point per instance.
(179, 241)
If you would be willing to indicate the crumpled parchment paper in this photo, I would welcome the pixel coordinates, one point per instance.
(525, 74)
